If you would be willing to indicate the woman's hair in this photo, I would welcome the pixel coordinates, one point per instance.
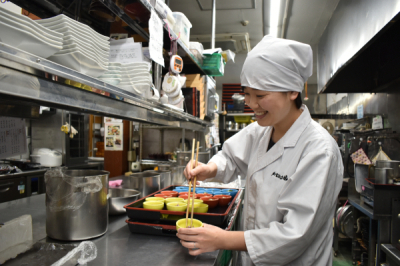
(298, 101)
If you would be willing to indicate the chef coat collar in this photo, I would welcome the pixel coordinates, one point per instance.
(290, 139)
(293, 134)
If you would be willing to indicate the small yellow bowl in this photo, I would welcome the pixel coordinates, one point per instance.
(195, 200)
(176, 206)
(173, 199)
(153, 205)
(195, 205)
(155, 199)
(182, 223)
(203, 208)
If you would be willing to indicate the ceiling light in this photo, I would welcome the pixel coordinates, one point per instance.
(275, 9)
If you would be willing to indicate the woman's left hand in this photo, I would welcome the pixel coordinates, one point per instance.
(201, 239)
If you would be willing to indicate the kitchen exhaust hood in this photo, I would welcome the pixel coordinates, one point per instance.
(359, 51)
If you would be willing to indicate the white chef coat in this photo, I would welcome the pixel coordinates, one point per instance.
(291, 191)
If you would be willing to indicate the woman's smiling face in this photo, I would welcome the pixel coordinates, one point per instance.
(270, 108)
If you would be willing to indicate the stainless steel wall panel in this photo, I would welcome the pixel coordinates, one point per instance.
(352, 25)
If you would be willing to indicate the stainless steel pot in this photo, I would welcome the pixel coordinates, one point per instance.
(183, 157)
(76, 203)
(177, 175)
(118, 198)
(383, 175)
(145, 182)
(165, 177)
(395, 165)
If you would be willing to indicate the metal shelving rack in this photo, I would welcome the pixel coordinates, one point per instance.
(53, 92)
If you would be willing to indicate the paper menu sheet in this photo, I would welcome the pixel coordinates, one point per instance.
(126, 51)
(156, 38)
(113, 137)
(12, 137)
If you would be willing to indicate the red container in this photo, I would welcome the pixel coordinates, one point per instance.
(170, 193)
(204, 194)
(183, 193)
(183, 196)
(162, 196)
(212, 202)
(223, 199)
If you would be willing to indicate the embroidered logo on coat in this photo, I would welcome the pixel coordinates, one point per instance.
(281, 177)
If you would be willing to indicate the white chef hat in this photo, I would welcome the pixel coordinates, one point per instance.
(277, 64)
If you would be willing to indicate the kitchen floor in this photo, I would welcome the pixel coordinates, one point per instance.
(343, 257)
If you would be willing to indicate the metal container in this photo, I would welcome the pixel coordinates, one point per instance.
(383, 175)
(229, 125)
(118, 198)
(360, 175)
(177, 175)
(145, 182)
(395, 165)
(183, 157)
(237, 126)
(165, 177)
(76, 203)
(242, 125)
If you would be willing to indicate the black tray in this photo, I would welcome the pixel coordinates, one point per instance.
(162, 229)
(215, 216)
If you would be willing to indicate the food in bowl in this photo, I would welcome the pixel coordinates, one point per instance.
(212, 202)
(162, 196)
(223, 199)
(173, 199)
(202, 208)
(182, 223)
(195, 200)
(170, 193)
(177, 206)
(153, 205)
(155, 199)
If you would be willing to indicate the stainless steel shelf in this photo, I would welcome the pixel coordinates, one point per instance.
(392, 252)
(154, 162)
(174, 35)
(31, 79)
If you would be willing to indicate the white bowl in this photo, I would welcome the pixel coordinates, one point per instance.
(88, 54)
(24, 20)
(54, 21)
(71, 39)
(68, 31)
(26, 41)
(112, 81)
(78, 31)
(79, 62)
(110, 76)
(103, 59)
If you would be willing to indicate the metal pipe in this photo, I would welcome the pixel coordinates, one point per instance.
(285, 19)
(213, 24)
(157, 76)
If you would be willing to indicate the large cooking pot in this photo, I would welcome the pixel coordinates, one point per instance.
(76, 203)
(145, 182)
(165, 177)
(395, 165)
(183, 157)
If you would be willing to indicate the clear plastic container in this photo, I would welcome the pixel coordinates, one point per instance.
(182, 26)
(197, 50)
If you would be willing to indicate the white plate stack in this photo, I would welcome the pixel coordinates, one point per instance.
(132, 77)
(83, 50)
(21, 32)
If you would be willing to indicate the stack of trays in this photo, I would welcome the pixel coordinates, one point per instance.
(83, 49)
(132, 77)
(26, 34)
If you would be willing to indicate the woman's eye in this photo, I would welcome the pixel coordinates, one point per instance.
(260, 96)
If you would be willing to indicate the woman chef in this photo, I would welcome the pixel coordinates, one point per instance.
(292, 165)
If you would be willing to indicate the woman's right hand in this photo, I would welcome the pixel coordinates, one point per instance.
(202, 171)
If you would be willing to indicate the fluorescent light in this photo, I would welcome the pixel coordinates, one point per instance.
(275, 9)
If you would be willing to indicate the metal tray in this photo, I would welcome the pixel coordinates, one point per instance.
(159, 228)
(216, 216)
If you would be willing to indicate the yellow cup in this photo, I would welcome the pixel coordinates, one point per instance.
(153, 205)
(182, 223)
(155, 199)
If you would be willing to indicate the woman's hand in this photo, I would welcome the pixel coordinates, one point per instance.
(201, 239)
(202, 171)
(209, 238)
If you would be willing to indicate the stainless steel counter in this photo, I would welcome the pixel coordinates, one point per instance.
(118, 246)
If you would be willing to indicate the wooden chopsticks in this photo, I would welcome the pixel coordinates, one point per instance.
(194, 183)
(190, 187)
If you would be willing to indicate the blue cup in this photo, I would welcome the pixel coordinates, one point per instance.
(232, 192)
